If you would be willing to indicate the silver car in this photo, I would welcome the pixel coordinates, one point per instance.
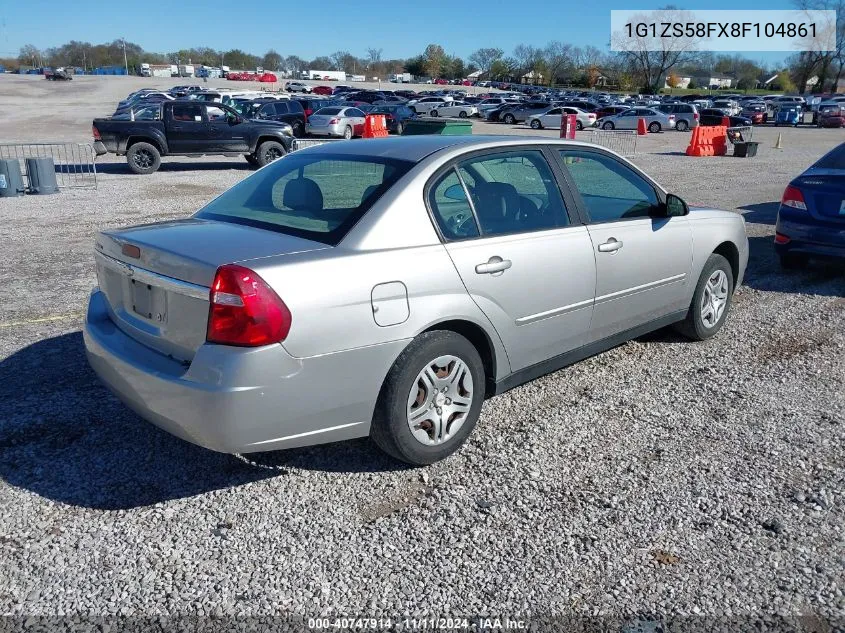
(345, 122)
(551, 118)
(385, 288)
(628, 120)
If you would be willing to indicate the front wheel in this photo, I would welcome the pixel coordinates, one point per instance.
(608, 125)
(711, 300)
(298, 129)
(399, 129)
(143, 158)
(462, 114)
(347, 133)
(269, 151)
(509, 119)
(430, 400)
(654, 127)
(434, 113)
(579, 126)
(535, 124)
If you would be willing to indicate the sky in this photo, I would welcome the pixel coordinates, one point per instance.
(308, 29)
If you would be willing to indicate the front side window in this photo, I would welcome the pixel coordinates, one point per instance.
(215, 113)
(316, 196)
(610, 190)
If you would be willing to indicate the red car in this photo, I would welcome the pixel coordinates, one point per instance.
(757, 114)
(831, 116)
(323, 90)
(441, 82)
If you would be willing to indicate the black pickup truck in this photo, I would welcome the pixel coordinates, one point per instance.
(190, 128)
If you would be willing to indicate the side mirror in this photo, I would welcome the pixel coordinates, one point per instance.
(675, 206)
(455, 192)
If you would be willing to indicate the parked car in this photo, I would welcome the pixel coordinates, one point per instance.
(298, 86)
(787, 114)
(323, 90)
(142, 98)
(811, 217)
(521, 112)
(309, 270)
(605, 111)
(455, 109)
(396, 116)
(832, 115)
(586, 106)
(191, 128)
(336, 121)
(290, 112)
(655, 120)
(756, 111)
(312, 104)
(425, 105)
(789, 100)
(729, 107)
(551, 118)
(711, 116)
(686, 114)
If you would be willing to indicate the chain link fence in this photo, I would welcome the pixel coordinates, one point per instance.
(74, 162)
(623, 142)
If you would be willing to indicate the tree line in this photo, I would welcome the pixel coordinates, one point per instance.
(557, 63)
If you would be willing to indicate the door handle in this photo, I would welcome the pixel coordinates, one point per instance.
(494, 265)
(610, 246)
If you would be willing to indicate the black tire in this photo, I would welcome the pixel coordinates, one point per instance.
(433, 113)
(399, 129)
(681, 126)
(251, 159)
(654, 127)
(536, 124)
(269, 151)
(390, 429)
(298, 129)
(693, 326)
(509, 119)
(347, 133)
(608, 125)
(579, 126)
(462, 114)
(793, 261)
(143, 158)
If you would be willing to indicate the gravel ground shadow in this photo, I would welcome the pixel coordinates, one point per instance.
(821, 277)
(65, 437)
(763, 213)
(121, 168)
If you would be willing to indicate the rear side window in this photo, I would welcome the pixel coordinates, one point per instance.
(187, 112)
(316, 196)
(451, 208)
(295, 107)
(834, 159)
(281, 107)
(610, 190)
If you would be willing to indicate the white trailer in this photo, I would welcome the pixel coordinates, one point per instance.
(186, 70)
(145, 70)
(334, 75)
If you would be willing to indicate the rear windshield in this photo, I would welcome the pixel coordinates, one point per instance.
(315, 196)
(328, 111)
(833, 160)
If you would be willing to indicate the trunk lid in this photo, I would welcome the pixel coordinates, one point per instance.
(156, 277)
(824, 192)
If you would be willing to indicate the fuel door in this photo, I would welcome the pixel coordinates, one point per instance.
(390, 303)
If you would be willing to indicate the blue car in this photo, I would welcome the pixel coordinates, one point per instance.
(788, 115)
(811, 217)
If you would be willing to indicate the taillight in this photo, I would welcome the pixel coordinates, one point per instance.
(695, 115)
(793, 198)
(308, 111)
(780, 238)
(333, 122)
(96, 133)
(244, 311)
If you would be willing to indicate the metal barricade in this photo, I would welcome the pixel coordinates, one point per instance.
(303, 143)
(75, 168)
(623, 142)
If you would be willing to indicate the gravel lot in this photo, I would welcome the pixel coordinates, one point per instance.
(662, 477)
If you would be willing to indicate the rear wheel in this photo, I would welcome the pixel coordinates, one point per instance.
(535, 124)
(462, 114)
(509, 119)
(143, 158)
(269, 151)
(298, 129)
(434, 113)
(399, 129)
(608, 125)
(654, 127)
(682, 126)
(579, 126)
(711, 300)
(430, 400)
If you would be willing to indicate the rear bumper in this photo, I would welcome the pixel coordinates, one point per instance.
(237, 400)
(325, 130)
(811, 239)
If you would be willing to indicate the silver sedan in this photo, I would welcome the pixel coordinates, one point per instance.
(655, 120)
(336, 121)
(552, 118)
(386, 288)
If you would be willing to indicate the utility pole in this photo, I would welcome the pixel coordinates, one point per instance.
(125, 63)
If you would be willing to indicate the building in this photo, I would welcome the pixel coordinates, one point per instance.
(714, 81)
